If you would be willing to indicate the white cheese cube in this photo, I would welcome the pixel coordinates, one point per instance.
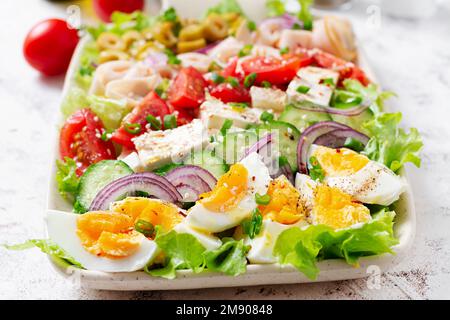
(317, 93)
(157, 148)
(268, 98)
(317, 75)
(133, 161)
(214, 113)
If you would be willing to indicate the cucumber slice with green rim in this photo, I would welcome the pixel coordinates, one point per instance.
(208, 161)
(302, 119)
(95, 178)
(288, 136)
(232, 147)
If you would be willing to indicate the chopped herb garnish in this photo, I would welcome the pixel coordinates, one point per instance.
(252, 226)
(354, 144)
(266, 84)
(106, 135)
(171, 57)
(303, 89)
(170, 121)
(315, 169)
(86, 70)
(154, 122)
(241, 105)
(266, 116)
(246, 50)
(296, 26)
(233, 82)
(145, 227)
(262, 199)
(133, 128)
(284, 50)
(217, 78)
(328, 81)
(250, 80)
(170, 15)
(227, 124)
(251, 25)
(214, 67)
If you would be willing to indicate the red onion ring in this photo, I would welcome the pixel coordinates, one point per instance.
(350, 112)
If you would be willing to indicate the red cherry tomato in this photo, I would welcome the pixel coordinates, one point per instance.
(134, 124)
(185, 116)
(80, 139)
(49, 46)
(274, 70)
(104, 8)
(226, 93)
(230, 68)
(188, 89)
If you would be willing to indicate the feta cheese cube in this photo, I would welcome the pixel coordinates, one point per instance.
(133, 161)
(268, 98)
(317, 75)
(157, 148)
(214, 113)
(318, 93)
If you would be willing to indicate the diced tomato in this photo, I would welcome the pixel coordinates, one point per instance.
(274, 70)
(230, 68)
(226, 93)
(188, 89)
(80, 139)
(185, 116)
(347, 70)
(153, 105)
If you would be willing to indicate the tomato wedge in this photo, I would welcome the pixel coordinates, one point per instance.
(188, 89)
(347, 70)
(134, 124)
(226, 93)
(80, 139)
(277, 71)
(185, 116)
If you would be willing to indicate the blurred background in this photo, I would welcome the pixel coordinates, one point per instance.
(406, 42)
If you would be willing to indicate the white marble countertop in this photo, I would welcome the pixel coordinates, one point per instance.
(411, 58)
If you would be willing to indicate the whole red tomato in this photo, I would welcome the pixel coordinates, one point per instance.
(104, 8)
(49, 46)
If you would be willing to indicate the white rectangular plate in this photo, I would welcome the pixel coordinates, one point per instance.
(405, 225)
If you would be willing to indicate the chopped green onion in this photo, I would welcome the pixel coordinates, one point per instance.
(154, 122)
(354, 144)
(217, 78)
(262, 199)
(245, 51)
(250, 80)
(315, 169)
(241, 105)
(145, 227)
(266, 116)
(171, 57)
(233, 82)
(328, 81)
(106, 135)
(284, 50)
(266, 84)
(296, 26)
(251, 25)
(303, 89)
(252, 226)
(133, 128)
(170, 121)
(227, 124)
(214, 67)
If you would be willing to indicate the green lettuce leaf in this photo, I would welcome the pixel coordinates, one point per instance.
(66, 177)
(181, 250)
(110, 111)
(303, 247)
(390, 144)
(275, 8)
(226, 6)
(305, 14)
(88, 61)
(229, 258)
(75, 99)
(49, 247)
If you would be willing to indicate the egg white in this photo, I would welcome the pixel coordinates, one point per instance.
(373, 184)
(62, 229)
(206, 220)
(209, 241)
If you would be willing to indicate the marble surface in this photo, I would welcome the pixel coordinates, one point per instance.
(411, 58)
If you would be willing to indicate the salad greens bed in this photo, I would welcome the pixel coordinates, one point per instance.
(302, 247)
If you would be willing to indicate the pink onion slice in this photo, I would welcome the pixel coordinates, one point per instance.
(316, 131)
(186, 170)
(286, 21)
(156, 186)
(189, 193)
(259, 145)
(208, 48)
(336, 138)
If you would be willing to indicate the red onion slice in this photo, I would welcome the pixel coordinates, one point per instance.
(269, 156)
(189, 193)
(153, 184)
(318, 130)
(192, 180)
(259, 145)
(185, 170)
(336, 138)
(349, 112)
(286, 21)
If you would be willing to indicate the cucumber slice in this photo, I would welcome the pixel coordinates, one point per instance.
(288, 136)
(208, 161)
(232, 147)
(302, 119)
(96, 177)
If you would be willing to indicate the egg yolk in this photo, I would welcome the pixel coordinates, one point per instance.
(336, 209)
(284, 206)
(339, 162)
(229, 190)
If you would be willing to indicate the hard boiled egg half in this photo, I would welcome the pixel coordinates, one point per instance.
(366, 180)
(233, 198)
(108, 240)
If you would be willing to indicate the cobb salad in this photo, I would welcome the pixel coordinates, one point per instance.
(216, 143)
